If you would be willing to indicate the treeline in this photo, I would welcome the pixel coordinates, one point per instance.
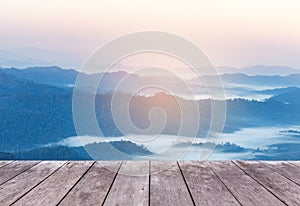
(31, 120)
(101, 151)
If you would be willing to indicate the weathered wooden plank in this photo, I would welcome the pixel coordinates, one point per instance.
(296, 163)
(9, 171)
(34, 183)
(94, 186)
(286, 190)
(15, 188)
(205, 186)
(54, 188)
(131, 186)
(3, 163)
(167, 186)
(246, 190)
(286, 169)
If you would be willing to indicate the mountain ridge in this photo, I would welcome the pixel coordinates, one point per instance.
(260, 70)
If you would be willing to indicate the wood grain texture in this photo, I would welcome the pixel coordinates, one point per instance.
(286, 169)
(205, 186)
(53, 189)
(246, 190)
(10, 171)
(167, 186)
(296, 163)
(21, 184)
(3, 163)
(94, 186)
(284, 189)
(149, 183)
(131, 186)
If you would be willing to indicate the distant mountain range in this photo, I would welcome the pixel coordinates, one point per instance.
(233, 80)
(278, 91)
(65, 78)
(55, 76)
(33, 114)
(36, 110)
(259, 70)
(12, 85)
(290, 97)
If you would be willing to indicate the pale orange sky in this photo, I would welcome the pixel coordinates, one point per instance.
(232, 32)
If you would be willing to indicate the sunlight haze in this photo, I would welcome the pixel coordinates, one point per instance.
(232, 33)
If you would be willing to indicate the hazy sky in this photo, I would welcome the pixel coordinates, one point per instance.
(231, 32)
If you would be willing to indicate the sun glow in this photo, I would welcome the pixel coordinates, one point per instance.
(233, 32)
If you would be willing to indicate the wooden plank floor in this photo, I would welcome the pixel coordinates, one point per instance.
(149, 183)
